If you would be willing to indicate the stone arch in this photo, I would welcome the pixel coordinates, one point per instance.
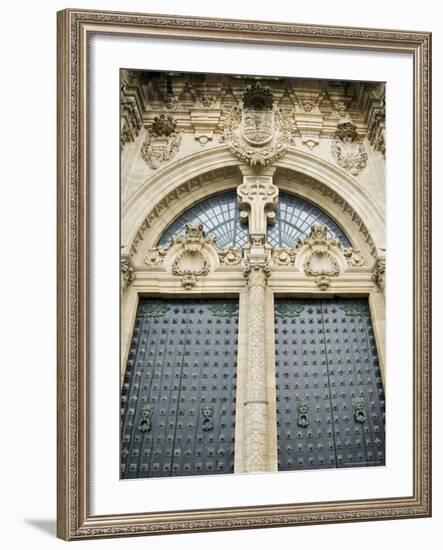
(176, 187)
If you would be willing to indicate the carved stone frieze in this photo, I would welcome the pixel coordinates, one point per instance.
(348, 150)
(161, 143)
(155, 256)
(127, 272)
(230, 255)
(378, 274)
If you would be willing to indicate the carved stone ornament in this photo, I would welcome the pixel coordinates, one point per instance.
(127, 272)
(257, 198)
(348, 150)
(161, 143)
(230, 255)
(155, 256)
(191, 262)
(321, 263)
(353, 257)
(258, 137)
(378, 275)
(283, 255)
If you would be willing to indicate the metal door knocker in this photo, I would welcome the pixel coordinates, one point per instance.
(359, 414)
(207, 423)
(303, 414)
(145, 420)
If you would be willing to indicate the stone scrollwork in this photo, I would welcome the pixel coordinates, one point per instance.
(348, 150)
(257, 197)
(354, 257)
(162, 142)
(155, 256)
(259, 134)
(230, 255)
(191, 261)
(127, 272)
(378, 275)
(321, 261)
(283, 255)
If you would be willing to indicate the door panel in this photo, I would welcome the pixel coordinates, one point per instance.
(330, 399)
(178, 394)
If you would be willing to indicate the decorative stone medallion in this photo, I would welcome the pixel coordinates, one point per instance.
(348, 150)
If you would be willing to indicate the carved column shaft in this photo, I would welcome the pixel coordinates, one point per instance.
(256, 404)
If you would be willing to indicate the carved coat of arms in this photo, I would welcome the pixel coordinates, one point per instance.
(258, 133)
(348, 150)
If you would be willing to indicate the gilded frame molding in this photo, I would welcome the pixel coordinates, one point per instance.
(74, 519)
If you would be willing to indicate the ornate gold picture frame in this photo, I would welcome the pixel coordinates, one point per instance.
(75, 518)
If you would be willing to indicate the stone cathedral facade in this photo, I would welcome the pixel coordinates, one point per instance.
(252, 274)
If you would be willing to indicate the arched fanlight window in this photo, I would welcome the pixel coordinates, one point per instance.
(220, 217)
(294, 218)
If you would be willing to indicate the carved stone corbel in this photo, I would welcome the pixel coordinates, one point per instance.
(127, 272)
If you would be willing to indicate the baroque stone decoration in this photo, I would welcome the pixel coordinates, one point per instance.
(348, 150)
(283, 255)
(378, 274)
(256, 404)
(191, 262)
(155, 256)
(162, 141)
(230, 255)
(353, 257)
(127, 272)
(321, 263)
(257, 197)
(75, 526)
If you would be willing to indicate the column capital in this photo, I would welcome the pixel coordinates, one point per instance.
(257, 273)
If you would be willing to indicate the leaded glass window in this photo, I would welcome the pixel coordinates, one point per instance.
(220, 217)
(294, 218)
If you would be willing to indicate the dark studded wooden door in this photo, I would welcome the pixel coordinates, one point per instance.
(330, 397)
(178, 393)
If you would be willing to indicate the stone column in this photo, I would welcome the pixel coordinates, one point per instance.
(257, 198)
(256, 404)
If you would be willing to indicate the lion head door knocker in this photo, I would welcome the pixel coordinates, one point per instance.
(207, 423)
(359, 414)
(145, 420)
(303, 414)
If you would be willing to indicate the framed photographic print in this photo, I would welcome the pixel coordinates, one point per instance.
(244, 274)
